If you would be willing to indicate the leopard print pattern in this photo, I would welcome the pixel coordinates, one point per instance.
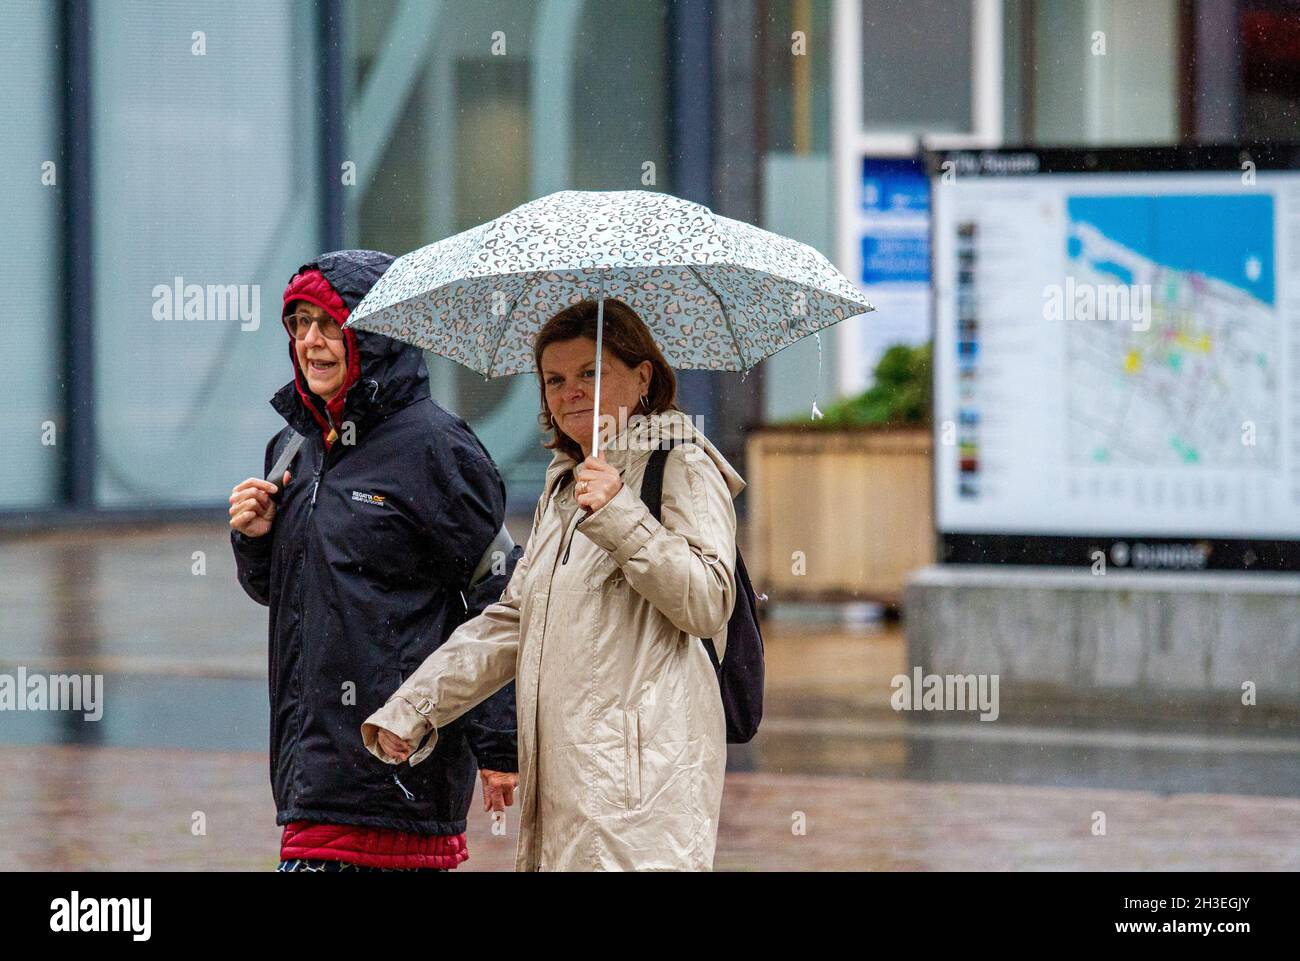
(717, 293)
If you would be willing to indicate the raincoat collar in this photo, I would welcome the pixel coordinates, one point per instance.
(632, 445)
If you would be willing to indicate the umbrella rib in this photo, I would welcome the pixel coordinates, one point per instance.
(506, 325)
(740, 351)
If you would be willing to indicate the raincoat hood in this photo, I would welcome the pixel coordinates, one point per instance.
(391, 373)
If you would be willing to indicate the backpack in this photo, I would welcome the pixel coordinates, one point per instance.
(740, 674)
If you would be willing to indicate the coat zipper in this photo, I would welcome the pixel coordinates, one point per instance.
(569, 546)
(302, 632)
(320, 467)
(546, 609)
(302, 569)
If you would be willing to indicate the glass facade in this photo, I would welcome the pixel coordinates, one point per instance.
(32, 426)
(205, 179)
(209, 126)
(916, 66)
(459, 112)
(1106, 73)
(798, 190)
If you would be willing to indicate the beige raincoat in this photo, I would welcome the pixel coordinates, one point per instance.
(622, 742)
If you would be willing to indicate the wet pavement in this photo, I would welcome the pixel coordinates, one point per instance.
(835, 779)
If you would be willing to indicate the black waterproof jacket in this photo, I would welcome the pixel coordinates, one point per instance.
(366, 571)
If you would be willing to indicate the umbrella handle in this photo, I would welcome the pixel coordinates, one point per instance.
(600, 329)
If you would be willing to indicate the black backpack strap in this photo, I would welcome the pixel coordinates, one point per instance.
(286, 456)
(652, 493)
(652, 481)
(286, 450)
(713, 653)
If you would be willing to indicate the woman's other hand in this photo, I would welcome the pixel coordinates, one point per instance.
(393, 746)
(498, 789)
(251, 509)
(598, 482)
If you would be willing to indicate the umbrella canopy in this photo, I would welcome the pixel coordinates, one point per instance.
(716, 293)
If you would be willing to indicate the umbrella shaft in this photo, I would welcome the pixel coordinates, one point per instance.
(600, 329)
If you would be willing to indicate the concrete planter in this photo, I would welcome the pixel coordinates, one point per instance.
(1160, 644)
(838, 515)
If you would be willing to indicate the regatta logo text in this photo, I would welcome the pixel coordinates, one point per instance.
(363, 497)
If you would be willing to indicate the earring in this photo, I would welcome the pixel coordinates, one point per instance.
(645, 401)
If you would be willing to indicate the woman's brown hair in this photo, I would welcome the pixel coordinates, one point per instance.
(627, 338)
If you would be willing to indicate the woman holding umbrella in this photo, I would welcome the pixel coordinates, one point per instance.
(622, 744)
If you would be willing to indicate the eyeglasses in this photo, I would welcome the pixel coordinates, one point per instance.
(299, 325)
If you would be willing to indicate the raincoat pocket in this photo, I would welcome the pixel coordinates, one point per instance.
(632, 758)
(603, 571)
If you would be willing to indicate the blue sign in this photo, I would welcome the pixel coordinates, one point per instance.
(894, 185)
(890, 258)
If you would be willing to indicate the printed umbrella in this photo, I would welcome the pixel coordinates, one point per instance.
(716, 293)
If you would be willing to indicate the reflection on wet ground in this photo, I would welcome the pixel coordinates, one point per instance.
(835, 779)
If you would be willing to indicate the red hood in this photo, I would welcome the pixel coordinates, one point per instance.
(311, 286)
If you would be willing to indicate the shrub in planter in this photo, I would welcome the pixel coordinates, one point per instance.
(900, 396)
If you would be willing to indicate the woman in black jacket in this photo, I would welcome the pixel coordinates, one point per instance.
(364, 550)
